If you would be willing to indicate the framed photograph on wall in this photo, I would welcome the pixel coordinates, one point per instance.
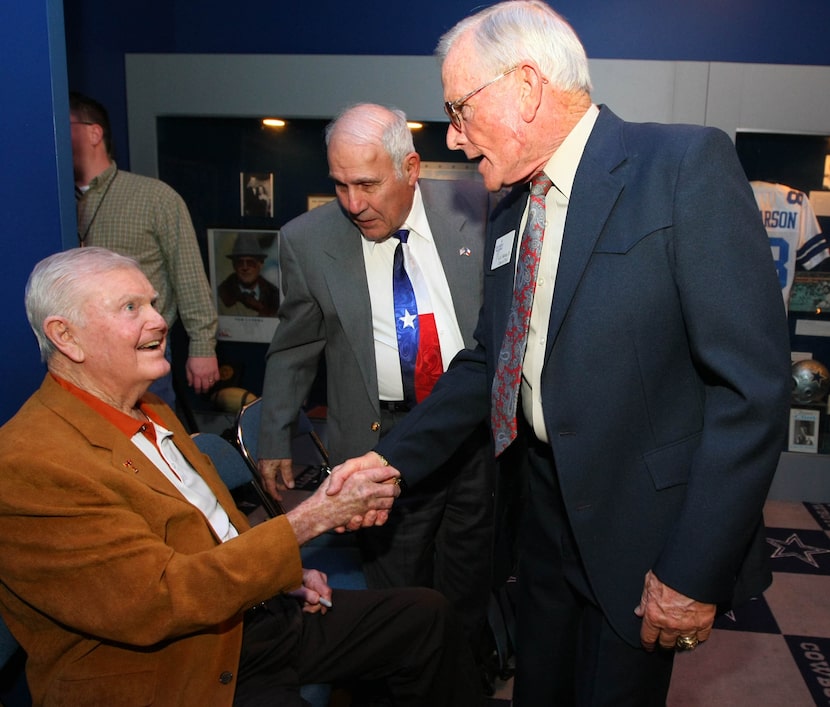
(256, 194)
(245, 279)
(810, 292)
(804, 429)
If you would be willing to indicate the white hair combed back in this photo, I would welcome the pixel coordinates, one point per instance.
(54, 288)
(505, 34)
(372, 124)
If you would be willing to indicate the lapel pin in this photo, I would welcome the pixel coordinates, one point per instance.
(129, 465)
(464, 251)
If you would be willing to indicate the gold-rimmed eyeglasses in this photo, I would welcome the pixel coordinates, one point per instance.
(453, 108)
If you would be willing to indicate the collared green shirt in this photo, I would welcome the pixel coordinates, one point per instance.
(147, 220)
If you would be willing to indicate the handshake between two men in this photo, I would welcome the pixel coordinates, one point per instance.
(358, 493)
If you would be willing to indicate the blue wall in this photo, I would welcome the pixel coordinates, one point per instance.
(36, 200)
(36, 203)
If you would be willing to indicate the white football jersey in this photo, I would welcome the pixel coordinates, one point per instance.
(793, 229)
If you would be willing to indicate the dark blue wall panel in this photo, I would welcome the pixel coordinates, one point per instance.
(36, 202)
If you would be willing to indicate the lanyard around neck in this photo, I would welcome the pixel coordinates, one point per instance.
(82, 238)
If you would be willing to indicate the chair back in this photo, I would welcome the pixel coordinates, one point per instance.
(234, 468)
(308, 452)
(228, 461)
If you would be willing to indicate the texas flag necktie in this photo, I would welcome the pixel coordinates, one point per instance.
(418, 346)
(505, 393)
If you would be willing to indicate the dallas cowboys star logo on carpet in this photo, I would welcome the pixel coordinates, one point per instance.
(794, 547)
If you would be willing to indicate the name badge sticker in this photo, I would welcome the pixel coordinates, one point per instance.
(503, 249)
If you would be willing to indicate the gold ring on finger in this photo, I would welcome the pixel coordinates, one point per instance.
(686, 643)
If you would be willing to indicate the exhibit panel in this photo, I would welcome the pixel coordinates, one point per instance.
(769, 97)
(788, 174)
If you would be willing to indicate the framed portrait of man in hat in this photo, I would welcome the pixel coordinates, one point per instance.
(244, 276)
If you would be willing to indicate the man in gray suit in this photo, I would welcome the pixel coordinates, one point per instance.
(337, 280)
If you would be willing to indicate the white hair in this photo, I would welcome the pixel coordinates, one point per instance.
(507, 33)
(55, 287)
(372, 124)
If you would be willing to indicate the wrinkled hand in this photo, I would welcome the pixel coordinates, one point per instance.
(370, 460)
(667, 614)
(314, 593)
(277, 475)
(342, 472)
(202, 372)
(364, 494)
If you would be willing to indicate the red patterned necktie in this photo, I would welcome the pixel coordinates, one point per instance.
(508, 376)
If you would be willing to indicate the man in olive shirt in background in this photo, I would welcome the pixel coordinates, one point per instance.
(147, 220)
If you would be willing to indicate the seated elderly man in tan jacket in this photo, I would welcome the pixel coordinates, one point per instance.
(127, 573)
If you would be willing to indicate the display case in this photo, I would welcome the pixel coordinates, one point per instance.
(802, 162)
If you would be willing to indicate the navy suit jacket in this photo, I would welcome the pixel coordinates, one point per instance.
(666, 382)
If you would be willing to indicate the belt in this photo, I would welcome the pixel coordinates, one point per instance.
(394, 406)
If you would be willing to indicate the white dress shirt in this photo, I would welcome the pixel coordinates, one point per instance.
(172, 463)
(561, 168)
(378, 260)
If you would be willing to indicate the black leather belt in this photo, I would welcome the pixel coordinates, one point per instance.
(394, 406)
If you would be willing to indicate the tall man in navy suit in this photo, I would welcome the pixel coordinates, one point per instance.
(337, 281)
(655, 379)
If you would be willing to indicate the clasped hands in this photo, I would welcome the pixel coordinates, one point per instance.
(343, 473)
(360, 491)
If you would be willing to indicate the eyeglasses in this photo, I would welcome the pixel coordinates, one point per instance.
(453, 108)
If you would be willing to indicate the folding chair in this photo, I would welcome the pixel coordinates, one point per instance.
(337, 555)
(307, 449)
(233, 468)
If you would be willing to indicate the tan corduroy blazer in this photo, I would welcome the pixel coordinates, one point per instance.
(114, 584)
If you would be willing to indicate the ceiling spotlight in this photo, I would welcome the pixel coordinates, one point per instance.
(273, 123)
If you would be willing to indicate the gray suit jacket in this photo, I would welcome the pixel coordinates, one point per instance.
(326, 309)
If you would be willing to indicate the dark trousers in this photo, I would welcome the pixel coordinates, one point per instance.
(440, 533)
(567, 652)
(408, 639)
